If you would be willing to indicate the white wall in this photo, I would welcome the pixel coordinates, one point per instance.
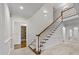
(75, 33)
(17, 22)
(35, 24)
(70, 24)
(57, 13)
(39, 22)
(5, 30)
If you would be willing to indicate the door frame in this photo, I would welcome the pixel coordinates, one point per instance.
(21, 24)
(26, 36)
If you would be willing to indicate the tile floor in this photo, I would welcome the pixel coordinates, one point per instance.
(65, 48)
(22, 51)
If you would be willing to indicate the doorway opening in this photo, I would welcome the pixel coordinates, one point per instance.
(23, 36)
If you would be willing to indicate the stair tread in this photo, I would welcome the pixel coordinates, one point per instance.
(41, 45)
(50, 34)
(42, 42)
(54, 29)
(45, 39)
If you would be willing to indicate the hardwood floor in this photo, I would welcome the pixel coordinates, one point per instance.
(23, 43)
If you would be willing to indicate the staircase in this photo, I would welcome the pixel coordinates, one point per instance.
(46, 34)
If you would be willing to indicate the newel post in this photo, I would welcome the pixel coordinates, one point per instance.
(37, 44)
(62, 15)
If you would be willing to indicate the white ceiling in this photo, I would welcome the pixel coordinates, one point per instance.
(72, 22)
(74, 11)
(76, 6)
(62, 5)
(29, 9)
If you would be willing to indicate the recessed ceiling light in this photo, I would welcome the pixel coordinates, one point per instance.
(21, 7)
(75, 28)
(44, 11)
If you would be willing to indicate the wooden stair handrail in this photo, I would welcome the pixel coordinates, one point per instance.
(48, 26)
(54, 21)
(38, 52)
(67, 9)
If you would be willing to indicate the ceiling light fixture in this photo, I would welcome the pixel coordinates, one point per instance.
(75, 28)
(44, 11)
(21, 7)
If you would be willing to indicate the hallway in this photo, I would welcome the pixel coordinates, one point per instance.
(47, 28)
